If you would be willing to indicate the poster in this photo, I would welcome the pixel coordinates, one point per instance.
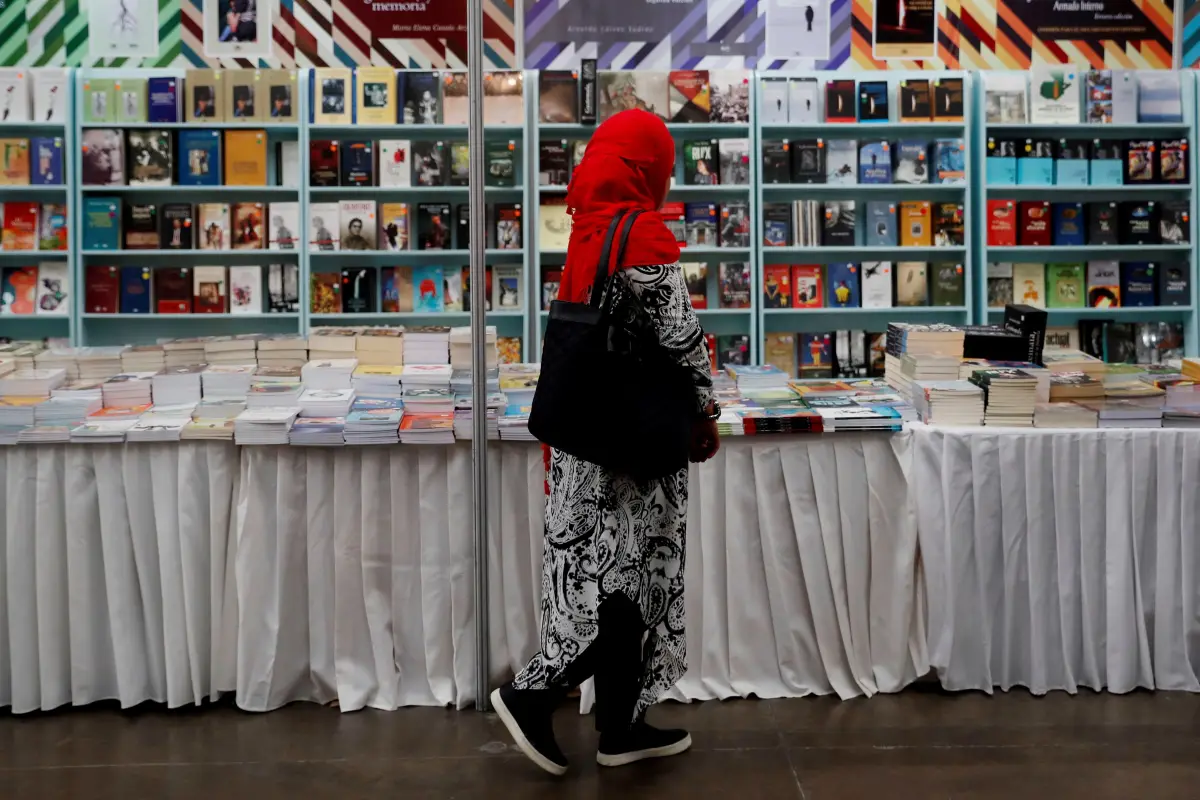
(1084, 20)
(904, 29)
(797, 29)
(238, 28)
(123, 28)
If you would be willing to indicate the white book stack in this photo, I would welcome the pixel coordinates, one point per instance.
(272, 394)
(427, 376)
(100, 363)
(265, 425)
(214, 410)
(750, 377)
(44, 434)
(208, 429)
(32, 382)
(102, 431)
(919, 339)
(318, 431)
(232, 350)
(326, 402)
(925, 367)
(67, 410)
(128, 389)
(514, 425)
(285, 350)
(22, 353)
(222, 381)
(1063, 415)
(181, 352)
(64, 358)
(79, 389)
(382, 347)
(7, 365)
(460, 380)
(278, 374)
(519, 382)
(378, 381)
(374, 420)
(332, 343)
(427, 428)
(949, 402)
(460, 348)
(175, 385)
(18, 412)
(464, 416)
(158, 427)
(333, 373)
(143, 358)
(427, 345)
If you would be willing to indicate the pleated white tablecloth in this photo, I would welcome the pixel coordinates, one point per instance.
(1061, 559)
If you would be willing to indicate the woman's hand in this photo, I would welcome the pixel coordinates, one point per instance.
(705, 440)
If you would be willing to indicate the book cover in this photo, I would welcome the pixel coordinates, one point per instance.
(507, 218)
(54, 289)
(1006, 96)
(779, 351)
(1103, 284)
(461, 227)
(777, 225)
(357, 162)
(278, 90)
(324, 226)
(912, 164)
(247, 226)
(554, 224)
(733, 278)
(735, 224)
(776, 161)
(729, 90)
(99, 100)
(551, 279)
(873, 101)
(948, 221)
(140, 227)
(1035, 162)
(173, 290)
(14, 162)
(389, 290)
(949, 160)
(807, 286)
(808, 223)
(840, 105)
(880, 228)
(455, 105)
(777, 286)
(1138, 222)
(1068, 224)
(504, 98)
(245, 158)
(102, 289)
(358, 290)
(1140, 161)
(1002, 223)
(358, 224)
(1103, 226)
(1029, 284)
(208, 290)
(735, 162)
(101, 223)
(803, 100)
(774, 107)
(50, 95)
(1174, 284)
(422, 98)
(808, 161)
(283, 288)
(1173, 161)
(589, 92)
(283, 232)
(460, 164)
(332, 96)
(395, 167)
(102, 164)
(947, 284)
(20, 226)
(500, 167)
(47, 167)
(428, 297)
(700, 162)
(151, 160)
(558, 97)
(701, 224)
(1138, 284)
(916, 228)
(213, 222)
(688, 96)
(1098, 92)
(1000, 165)
(52, 227)
(1065, 286)
(508, 287)
(1159, 97)
(912, 283)
(375, 96)
(841, 161)
(200, 158)
(245, 290)
(1071, 163)
(393, 227)
(452, 288)
(916, 101)
(1036, 220)
(325, 292)
(324, 163)
(816, 356)
(204, 98)
(429, 163)
(647, 90)
(554, 161)
(948, 100)
(838, 228)
(999, 284)
(433, 226)
(1174, 225)
(1054, 95)
(135, 290)
(876, 284)
(18, 290)
(241, 95)
(842, 286)
(875, 163)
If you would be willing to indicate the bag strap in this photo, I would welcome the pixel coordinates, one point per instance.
(601, 278)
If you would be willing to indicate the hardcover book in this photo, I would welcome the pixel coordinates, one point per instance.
(433, 226)
(500, 168)
(735, 224)
(460, 164)
(776, 164)
(278, 90)
(912, 283)
(208, 290)
(1000, 165)
(1054, 94)
(213, 222)
(916, 101)
(241, 95)
(1174, 224)
(245, 290)
(99, 102)
(325, 292)
(1103, 284)
(558, 97)
(949, 160)
(102, 164)
(841, 283)
(358, 163)
(999, 284)
(1035, 163)
(101, 223)
(808, 161)
(688, 97)
(777, 286)
(1140, 161)
(734, 284)
(875, 163)
(1102, 223)
(508, 288)
(1173, 161)
(393, 227)
(1174, 285)
(151, 160)
(1139, 222)
(777, 219)
(131, 100)
(20, 226)
(1071, 163)
(323, 163)
(838, 230)
(245, 158)
(1106, 163)
(175, 227)
(102, 289)
(135, 290)
(948, 225)
(873, 101)
(200, 158)
(841, 165)
(1068, 224)
(880, 228)
(807, 286)
(358, 290)
(54, 289)
(140, 227)
(52, 227)
(246, 232)
(701, 224)
(428, 290)
(1006, 96)
(700, 162)
(1065, 286)
(283, 228)
(508, 226)
(730, 92)
(203, 96)
(912, 164)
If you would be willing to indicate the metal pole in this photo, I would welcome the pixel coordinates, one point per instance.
(478, 282)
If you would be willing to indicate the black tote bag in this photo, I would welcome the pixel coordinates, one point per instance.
(623, 405)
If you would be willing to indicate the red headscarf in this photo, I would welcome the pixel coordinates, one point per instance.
(627, 165)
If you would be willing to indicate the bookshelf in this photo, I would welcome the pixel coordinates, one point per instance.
(1083, 254)
(139, 328)
(826, 319)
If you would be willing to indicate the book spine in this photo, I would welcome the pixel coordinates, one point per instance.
(587, 91)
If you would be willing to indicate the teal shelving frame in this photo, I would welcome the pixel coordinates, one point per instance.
(822, 320)
(984, 191)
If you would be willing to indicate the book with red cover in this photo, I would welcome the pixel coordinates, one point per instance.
(807, 291)
(208, 290)
(1036, 230)
(323, 163)
(173, 290)
(102, 290)
(1002, 223)
(675, 215)
(841, 101)
(20, 226)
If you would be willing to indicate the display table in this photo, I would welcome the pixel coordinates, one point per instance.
(1061, 559)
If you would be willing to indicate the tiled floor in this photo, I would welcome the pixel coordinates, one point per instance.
(921, 744)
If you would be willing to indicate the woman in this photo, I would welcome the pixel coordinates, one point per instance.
(612, 574)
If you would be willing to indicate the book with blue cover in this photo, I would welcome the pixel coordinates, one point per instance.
(135, 290)
(880, 227)
(1069, 224)
(1138, 283)
(1071, 163)
(1174, 286)
(1106, 163)
(1035, 163)
(949, 161)
(841, 286)
(875, 163)
(200, 158)
(428, 294)
(101, 223)
(164, 100)
(1001, 162)
(47, 160)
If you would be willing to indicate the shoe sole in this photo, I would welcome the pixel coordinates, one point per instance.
(514, 730)
(621, 759)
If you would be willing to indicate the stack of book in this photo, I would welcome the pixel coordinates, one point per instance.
(374, 420)
(949, 403)
(332, 342)
(269, 394)
(334, 373)
(460, 348)
(419, 428)
(31, 382)
(380, 347)
(908, 338)
(128, 390)
(142, 358)
(427, 345)
(1069, 386)
(181, 352)
(222, 381)
(175, 385)
(265, 425)
(318, 431)
(1010, 396)
(1145, 412)
(749, 378)
(378, 381)
(1063, 415)
(64, 358)
(326, 402)
(283, 350)
(464, 416)
(231, 349)
(161, 424)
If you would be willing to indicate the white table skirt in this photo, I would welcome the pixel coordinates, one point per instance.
(115, 574)
(1061, 559)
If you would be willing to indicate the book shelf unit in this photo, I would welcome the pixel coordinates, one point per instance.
(826, 319)
(514, 322)
(137, 328)
(716, 320)
(1082, 254)
(36, 325)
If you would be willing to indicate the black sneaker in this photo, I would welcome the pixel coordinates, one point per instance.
(529, 716)
(640, 742)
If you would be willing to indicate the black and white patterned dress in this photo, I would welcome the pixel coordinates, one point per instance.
(606, 533)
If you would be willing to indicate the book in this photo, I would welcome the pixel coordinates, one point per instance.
(1006, 97)
(14, 162)
(393, 227)
(151, 160)
(18, 290)
(245, 290)
(53, 289)
(803, 104)
(325, 292)
(358, 225)
(777, 286)
(912, 283)
(428, 297)
(841, 161)
(507, 220)
(1029, 284)
(20, 230)
(701, 224)
(324, 226)
(777, 225)
(1174, 224)
(500, 168)
(429, 163)
(503, 98)
(916, 228)
(47, 155)
(1069, 224)
(949, 161)
(278, 90)
(204, 98)
(1000, 165)
(200, 158)
(873, 101)
(554, 224)
(1002, 223)
(779, 350)
(1098, 93)
(589, 92)
(452, 288)
(729, 90)
(395, 168)
(735, 224)
(1138, 284)
(245, 158)
(880, 228)
(1138, 222)
(735, 162)
(135, 290)
(1140, 161)
(688, 96)
(808, 161)
(701, 166)
(816, 356)
(389, 289)
(50, 95)
(1173, 161)
(807, 286)
(102, 162)
(1103, 284)
(1054, 94)
(508, 288)
(101, 223)
(1103, 226)
(876, 279)
(283, 229)
(1065, 286)
(1036, 220)
(357, 163)
(733, 284)
(422, 98)
(461, 227)
(916, 101)
(1035, 162)
(460, 164)
(455, 106)
(213, 222)
(172, 290)
(208, 290)
(433, 226)
(773, 109)
(558, 97)
(1159, 97)
(947, 287)
(140, 227)
(842, 286)
(838, 228)
(948, 100)
(808, 223)
(999, 284)
(776, 161)
(375, 101)
(875, 163)
(358, 290)
(52, 227)
(948, 225)
(102, 289)
(246, 231)
(912, 165)
(241, 95)
(1071, 162)
(554, 162)
(283, 288)
(99, 100)
(840, 105)
(1174, 285)
(332, 96)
